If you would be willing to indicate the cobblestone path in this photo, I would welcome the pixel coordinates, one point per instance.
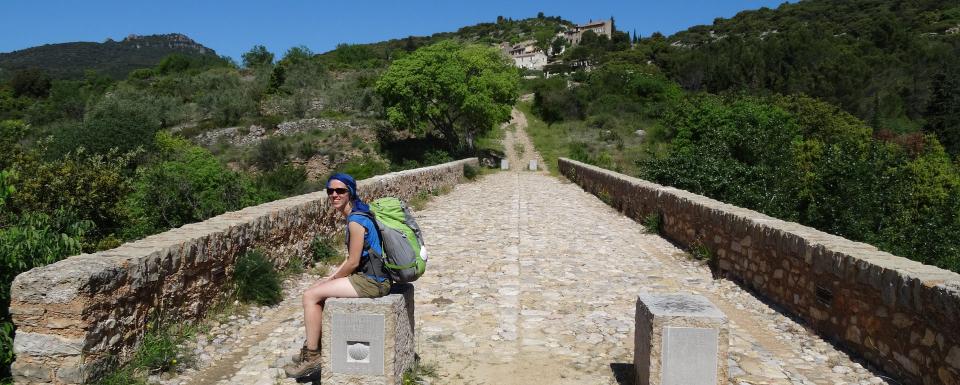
(531, 280)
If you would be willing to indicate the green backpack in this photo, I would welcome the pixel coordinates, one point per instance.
(403, 253)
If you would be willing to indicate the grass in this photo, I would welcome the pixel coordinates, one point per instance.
(492, 140)
(418, 373)
(160, 351)
(652, 223)
(607, 142)
(550, 141)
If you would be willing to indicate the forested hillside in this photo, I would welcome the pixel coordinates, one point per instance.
(840, 115)
(888, 62)
(114, 59)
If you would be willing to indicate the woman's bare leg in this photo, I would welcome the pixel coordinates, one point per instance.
(313, 301)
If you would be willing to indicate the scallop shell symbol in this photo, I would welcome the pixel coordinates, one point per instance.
(358, 351)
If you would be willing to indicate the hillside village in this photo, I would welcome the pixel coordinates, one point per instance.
(527, 55)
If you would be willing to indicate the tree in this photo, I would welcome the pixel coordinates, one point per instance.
(296, 56)
(543, 37)
(943, 112)
(257, 57)
(32, 82)
(457, 92)
(558, 44)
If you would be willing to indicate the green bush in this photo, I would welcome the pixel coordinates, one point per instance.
(285, 180)
(183, 184)
(124, 120)
(364, 168)
(89, 186)
(470, 172)
(256, 280)
(323, 250)
(6, 349)
(270, 153)
(803, 160)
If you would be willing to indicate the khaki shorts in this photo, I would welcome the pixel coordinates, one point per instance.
(367, 287)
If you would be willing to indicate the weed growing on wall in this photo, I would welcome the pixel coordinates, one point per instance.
(605, 197)
(701, 252)
(256, 280)
(652, 223)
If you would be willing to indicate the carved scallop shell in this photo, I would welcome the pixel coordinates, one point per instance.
(358, 351)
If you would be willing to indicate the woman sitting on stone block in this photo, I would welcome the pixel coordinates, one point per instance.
(360, 275)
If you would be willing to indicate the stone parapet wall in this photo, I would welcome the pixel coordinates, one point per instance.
(896, 313)
(77, 316)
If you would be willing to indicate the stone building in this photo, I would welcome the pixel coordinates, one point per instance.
(599, 27)
(525, 54)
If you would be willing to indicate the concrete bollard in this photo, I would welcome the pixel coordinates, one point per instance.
(680, 339)
(504, 164)
(368, 340)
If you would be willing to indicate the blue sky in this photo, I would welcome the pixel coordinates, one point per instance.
(233, 27)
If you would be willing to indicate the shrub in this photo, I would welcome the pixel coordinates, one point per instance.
(270, 154)
(124, 120)
(470, 172)
(6, 349)
(323, 250)
(89, 186)
(184, 184)
(432, 157)
(364, 168)
(256, 280)
(286, 180)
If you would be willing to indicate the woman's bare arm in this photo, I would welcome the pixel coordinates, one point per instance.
(354, 249)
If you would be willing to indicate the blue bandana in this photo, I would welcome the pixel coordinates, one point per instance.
(356, 202)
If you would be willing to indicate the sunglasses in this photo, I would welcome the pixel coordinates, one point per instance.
(339, 191)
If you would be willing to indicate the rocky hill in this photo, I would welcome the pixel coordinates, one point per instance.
(112, 58)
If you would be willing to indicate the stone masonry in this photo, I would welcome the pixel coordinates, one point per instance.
(77, 316)
(898, 314)
(369, 341)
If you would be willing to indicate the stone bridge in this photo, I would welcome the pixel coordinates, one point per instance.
(532, 279)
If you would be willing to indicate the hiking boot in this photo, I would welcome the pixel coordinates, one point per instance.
(309, 365)
(298, 358)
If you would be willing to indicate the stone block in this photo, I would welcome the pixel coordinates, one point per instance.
(680, 339)
(43, 345)
(533, 165)
(504, 164)
(368, 340)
